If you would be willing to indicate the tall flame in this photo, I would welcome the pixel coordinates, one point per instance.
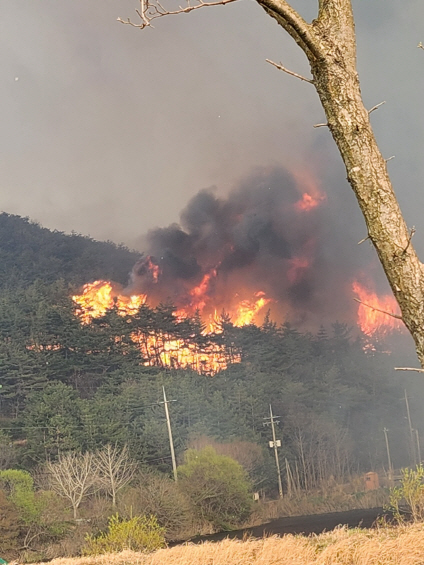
(248, 309)
(159, 348)
(375, 313)
(198, 294)
(100, 296)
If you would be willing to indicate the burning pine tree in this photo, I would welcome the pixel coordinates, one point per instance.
(265, 246)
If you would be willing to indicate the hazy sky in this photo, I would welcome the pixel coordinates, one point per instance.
(109, 131)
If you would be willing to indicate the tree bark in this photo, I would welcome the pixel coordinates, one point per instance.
(330, 46)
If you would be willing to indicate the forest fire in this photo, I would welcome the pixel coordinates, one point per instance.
(267, 245)
(164, 349)
(161, 348)
(376, 313)
(100, 296)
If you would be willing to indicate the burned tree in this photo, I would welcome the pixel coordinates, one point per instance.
(329, 44)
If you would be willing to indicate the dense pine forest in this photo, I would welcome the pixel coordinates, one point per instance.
(74, 388)
(69, 386)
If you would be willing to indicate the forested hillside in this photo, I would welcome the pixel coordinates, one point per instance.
(83, 393)
(29, 252)
(73, 386)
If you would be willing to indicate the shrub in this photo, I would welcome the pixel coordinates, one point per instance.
(9, 525)
(410, 494)
(140, 533)
(218, 487)
(160, 496)
(19, 487)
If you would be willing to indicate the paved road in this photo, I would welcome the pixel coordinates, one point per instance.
(313, 524)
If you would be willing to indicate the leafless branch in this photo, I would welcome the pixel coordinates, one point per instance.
(152, 9)
(390, 158)
(73, 476)
(321, 126)
(420, 45)
(115, 469)
(281, 68)
(379, 310)
(376, 107)
(409, 369)
(411, 235)
(362, 240)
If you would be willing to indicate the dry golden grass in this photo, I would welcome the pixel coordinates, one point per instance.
(402, 545)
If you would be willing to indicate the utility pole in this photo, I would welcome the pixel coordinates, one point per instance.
(275, 443)
(418, 446)
(411, 431)
(291, 487)
(388, 455)
(171, 442)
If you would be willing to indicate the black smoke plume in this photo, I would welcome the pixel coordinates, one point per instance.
(264, 236)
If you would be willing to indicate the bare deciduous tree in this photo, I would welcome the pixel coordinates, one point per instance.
(72, 476)
(323, 450)
(115, 469)
(329, 43)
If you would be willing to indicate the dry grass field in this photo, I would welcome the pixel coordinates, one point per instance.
(402, 545)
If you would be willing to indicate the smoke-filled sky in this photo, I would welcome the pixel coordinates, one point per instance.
(267, 238)
(109, 131)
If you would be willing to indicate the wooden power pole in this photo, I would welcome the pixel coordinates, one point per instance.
(171, 442)
(275, 443)
(388, 456)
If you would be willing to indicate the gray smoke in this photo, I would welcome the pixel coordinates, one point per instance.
(258, 239)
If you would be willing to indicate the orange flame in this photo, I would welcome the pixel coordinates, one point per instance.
(100, 296)
(248, 309)
(154, 269)
(160, 349)
(312, 197)
(199, 293)
(308, 202)
(374, 311)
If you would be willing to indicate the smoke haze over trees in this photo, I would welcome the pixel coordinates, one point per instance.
(72, 388)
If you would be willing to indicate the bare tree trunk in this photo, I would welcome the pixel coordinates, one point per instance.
(330, 45)
(299, 441)
(73, 477)
(114, 468)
